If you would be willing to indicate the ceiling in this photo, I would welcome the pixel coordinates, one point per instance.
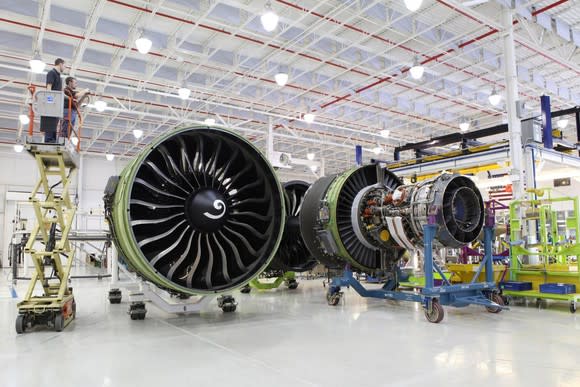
(348, 62)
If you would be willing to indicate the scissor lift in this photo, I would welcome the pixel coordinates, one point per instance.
(55, 212)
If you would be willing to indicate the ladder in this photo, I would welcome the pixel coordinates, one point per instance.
(55, 212)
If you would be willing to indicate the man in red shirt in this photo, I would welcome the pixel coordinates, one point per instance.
(72, 98)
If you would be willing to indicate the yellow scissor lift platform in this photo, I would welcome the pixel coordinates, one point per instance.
(53, 208)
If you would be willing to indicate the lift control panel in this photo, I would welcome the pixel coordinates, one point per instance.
(48, 103)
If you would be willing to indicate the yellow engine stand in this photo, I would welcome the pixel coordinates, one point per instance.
(53, 207)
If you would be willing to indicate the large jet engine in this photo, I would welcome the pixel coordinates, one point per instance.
(198, 211)
(367, 218)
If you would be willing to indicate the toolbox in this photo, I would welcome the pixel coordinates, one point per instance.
(515, 285)
(557, 288)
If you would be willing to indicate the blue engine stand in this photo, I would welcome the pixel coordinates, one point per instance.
(433, 297)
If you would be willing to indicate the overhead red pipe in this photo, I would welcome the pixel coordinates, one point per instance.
(216, 30)
(271, 81)
(548, 7)
(344, 97)
(274, 46)
(382, 80)
(311, 57)
(429, 59)
(535, 13)
(189, 110)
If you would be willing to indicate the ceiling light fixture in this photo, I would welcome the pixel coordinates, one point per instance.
(74, 140)
(562, 123)
(143, 44)
(137, 133)
(100, 105)
(417, 69)
(110, 156)
(413, 5)
(24, 119)
(385, 133)
(18, 147)
(313, 168)
(310, 156)
(377, 150)
(184, 92)
(269, 18)
(494, 98)
(464, 124)
(209, 121)
(281, 78)
(36, 63)
(309, 117)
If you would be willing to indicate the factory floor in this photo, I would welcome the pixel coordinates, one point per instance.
(290, 338)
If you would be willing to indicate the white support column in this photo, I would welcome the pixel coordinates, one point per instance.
(114, 266)
(80, 217)
(80, 182)
(512, 96)
(270, 140)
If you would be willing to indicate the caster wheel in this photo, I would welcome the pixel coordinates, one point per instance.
(20, 324)
(137, 311)
(115, 296)
(333, 299)
(293, 285)
(138, 315)
(58, 322)
(506, 300)
(436, 314)
(573, 307)
(498, 300)
(246, 289)
(229, 308)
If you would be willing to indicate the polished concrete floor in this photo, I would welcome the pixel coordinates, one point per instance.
(291, 338)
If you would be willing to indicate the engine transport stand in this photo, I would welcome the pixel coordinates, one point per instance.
(433, 297)
(56, 306)
(288, 278)
(141, 291)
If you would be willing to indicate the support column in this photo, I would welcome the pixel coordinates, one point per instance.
(577, 120)
(512, 96)
(358, 155)
(114, 266)
(80, 221)
(546, 122)
(270, 140)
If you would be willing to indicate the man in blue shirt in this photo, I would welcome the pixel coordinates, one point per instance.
(49, 125)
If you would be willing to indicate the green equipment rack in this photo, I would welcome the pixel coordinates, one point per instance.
(556, 247)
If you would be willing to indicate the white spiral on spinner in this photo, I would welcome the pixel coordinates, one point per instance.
(218, 205)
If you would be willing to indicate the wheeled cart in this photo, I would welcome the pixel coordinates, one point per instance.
(432, 297)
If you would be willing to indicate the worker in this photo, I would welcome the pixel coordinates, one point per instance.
(49, 125)
(72, 99)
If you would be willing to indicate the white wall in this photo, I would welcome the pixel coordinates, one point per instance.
(18, 172)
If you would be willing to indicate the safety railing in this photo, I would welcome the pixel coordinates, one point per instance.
(71, 130)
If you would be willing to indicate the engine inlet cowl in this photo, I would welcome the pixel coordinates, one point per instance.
(198, 211)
